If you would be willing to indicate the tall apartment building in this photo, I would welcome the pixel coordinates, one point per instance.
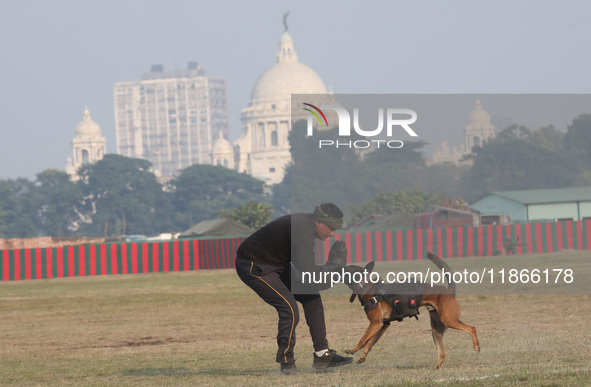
(171, 119)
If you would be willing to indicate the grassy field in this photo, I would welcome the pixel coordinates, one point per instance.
(207, 328)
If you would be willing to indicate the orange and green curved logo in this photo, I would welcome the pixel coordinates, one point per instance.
(317, 110)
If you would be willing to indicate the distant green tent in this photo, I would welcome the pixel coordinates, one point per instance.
(217, 227)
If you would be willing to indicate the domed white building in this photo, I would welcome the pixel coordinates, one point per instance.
(223, 152)
(477, 130)
(88, 145)
(262, 150)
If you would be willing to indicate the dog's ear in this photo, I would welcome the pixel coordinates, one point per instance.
(352, 297)
(369, 266)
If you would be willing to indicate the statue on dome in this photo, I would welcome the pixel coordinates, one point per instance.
(285, 15)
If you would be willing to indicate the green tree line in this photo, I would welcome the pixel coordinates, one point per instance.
(120, 195)
(366, 183)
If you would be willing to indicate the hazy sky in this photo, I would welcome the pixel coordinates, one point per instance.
(58, 56)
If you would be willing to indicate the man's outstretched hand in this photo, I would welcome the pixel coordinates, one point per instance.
(337, 256)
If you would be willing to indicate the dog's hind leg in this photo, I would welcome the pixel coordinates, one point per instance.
(372, 341)
(437, 329)
(449, 314)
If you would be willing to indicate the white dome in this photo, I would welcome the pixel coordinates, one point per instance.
(286, 38)
(478, 115)
(87, 127)
(286, 78)
(221, 145)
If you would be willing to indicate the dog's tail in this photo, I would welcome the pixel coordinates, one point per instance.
(442, 265)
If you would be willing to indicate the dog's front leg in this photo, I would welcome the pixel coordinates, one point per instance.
(372, 330)
(372, 341)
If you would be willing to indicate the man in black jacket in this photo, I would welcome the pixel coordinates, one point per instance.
(264, 263)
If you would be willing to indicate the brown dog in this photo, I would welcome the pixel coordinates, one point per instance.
(441, 303)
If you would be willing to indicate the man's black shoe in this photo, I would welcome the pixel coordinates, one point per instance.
(330, 359)
(289, 368)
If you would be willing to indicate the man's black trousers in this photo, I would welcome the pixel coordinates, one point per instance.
(272, 284)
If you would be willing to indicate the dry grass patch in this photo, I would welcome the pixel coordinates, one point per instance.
(207, 328)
